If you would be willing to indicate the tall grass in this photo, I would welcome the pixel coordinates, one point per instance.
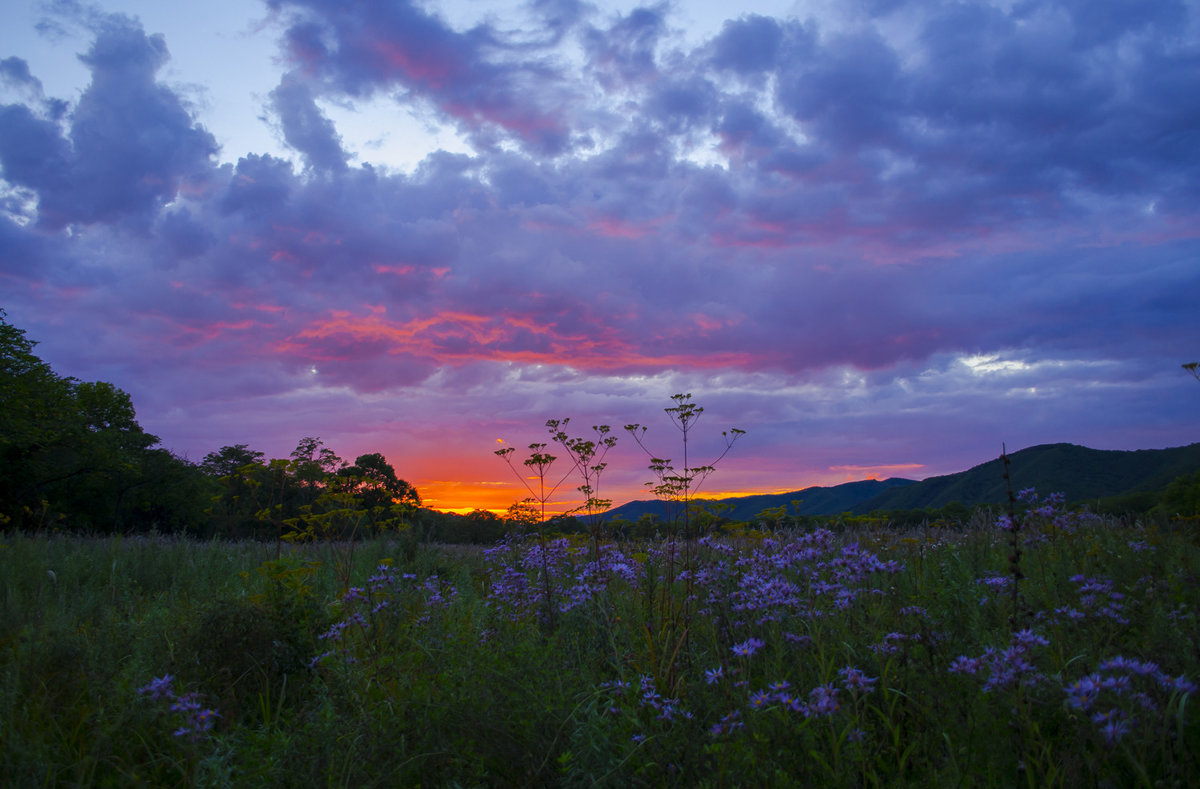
(858, 658)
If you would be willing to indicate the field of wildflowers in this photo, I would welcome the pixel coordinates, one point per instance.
(1054, 649)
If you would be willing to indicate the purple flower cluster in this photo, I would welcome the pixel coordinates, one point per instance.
(196, 721)
(1005, 668)
(1045, 516)
(996, 584)
(1097, 600)
(389, 602)
(823, 700)
(1122, 686)
(664, 708)
(856, 681)
(748, 647)
(891, 643)
(727, 725)
(524, 572)
(777, 581)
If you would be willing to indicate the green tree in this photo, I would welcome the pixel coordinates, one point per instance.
(379, 492)
(33, 402)
(236, 474)
(1182, 497)
(227, 460)
(72, 453)
(312, 466)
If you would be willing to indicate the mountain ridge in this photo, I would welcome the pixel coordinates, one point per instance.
(814, 500)
(1079, 472)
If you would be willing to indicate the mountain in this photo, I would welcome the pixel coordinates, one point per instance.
(1078, 472)
(813, 501)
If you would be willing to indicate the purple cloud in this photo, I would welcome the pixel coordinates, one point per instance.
(623, 54)
(749, 45)
(472, 77)
(132, 144)
(305, 127)
(872, 250)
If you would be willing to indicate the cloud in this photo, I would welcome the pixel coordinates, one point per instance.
(15, 71)
(820, 229)
(474, 78)
(131, 144)
(624, 53)
(305, 127)
(749, 45)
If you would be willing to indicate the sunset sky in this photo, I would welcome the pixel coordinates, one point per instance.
(882, 237)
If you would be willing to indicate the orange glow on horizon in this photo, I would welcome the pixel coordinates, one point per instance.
(465, 497)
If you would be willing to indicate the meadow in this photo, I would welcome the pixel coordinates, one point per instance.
(1057, 649)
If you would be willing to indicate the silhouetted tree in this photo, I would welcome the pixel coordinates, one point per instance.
(73, 455)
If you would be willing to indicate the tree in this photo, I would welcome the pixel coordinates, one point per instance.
(226, 461)
(1182, 497)
(32, 400)
(73, 454)
(378, 490)
(237, 475)
(312, 465)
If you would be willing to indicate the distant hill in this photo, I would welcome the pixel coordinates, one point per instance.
(813, 501)
(1077, 472)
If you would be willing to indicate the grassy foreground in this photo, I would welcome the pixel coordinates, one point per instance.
(1063, 652)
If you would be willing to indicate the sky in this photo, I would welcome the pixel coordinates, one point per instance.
(884, 238)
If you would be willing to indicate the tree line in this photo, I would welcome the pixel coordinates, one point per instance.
(73, 457)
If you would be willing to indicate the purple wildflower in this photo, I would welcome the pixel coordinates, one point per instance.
(798, 640)
(159, 688)
(823, 700)
(856, 681)
(727, 725)
(1083, 692)
(1130, 665)
(196, 720)
(1027, 639)
(748, 647)
(1180, 684)
(1113, 725)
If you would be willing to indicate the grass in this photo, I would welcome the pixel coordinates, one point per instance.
(866, 657)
